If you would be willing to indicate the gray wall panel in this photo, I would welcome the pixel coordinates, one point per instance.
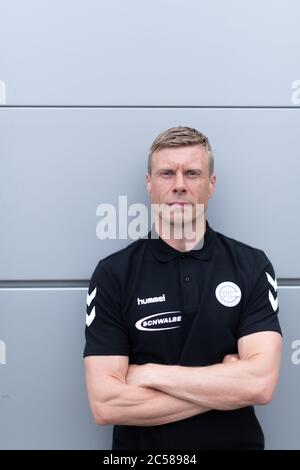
(58, 165)
(43, 399)
(280, 419)
(169, 52)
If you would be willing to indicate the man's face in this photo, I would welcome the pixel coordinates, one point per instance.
(181, 175)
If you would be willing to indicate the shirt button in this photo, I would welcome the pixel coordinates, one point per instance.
(187, 278)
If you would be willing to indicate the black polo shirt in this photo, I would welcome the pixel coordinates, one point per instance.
(156, 304)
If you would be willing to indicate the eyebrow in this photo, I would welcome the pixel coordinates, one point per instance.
(198, 170)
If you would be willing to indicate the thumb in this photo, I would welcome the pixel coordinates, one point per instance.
(231, 358)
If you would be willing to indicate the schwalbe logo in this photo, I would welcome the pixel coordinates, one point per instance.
(162, 319)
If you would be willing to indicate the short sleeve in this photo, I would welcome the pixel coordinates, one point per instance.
(260, 311)
(105, 331)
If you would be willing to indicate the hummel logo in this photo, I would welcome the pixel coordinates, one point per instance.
(151, 300)
(89, 298)
(273, 301)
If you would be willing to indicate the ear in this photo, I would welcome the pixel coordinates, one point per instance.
(212, 184)
(148, 183)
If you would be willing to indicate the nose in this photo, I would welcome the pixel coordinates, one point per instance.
(179, 185)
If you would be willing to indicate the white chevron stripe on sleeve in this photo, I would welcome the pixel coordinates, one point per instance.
(272, 281)
(90, 297)
(90, 317)
(273, 301)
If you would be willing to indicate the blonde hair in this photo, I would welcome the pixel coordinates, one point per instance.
(179, 137)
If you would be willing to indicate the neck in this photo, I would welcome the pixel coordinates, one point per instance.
(182, 238)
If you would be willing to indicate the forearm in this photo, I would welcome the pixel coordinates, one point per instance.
(139, 406)
(220, 386)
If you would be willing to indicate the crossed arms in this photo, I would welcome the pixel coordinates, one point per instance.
(154, 394)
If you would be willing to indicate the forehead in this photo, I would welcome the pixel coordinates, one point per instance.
(195, 155)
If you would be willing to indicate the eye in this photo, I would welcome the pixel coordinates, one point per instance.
(166, 173)
(192, 173)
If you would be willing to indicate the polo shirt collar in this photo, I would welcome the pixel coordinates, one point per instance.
(164, 252)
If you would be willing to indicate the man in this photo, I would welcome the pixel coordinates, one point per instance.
(182, 335)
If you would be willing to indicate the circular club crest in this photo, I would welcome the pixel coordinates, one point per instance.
(228, 294)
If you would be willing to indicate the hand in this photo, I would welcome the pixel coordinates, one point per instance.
(231, 358)
(140, 374)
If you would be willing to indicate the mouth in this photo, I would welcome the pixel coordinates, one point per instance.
(179, 203)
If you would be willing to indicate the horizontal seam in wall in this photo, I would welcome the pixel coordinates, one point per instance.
(148, 107)
(83, 284)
